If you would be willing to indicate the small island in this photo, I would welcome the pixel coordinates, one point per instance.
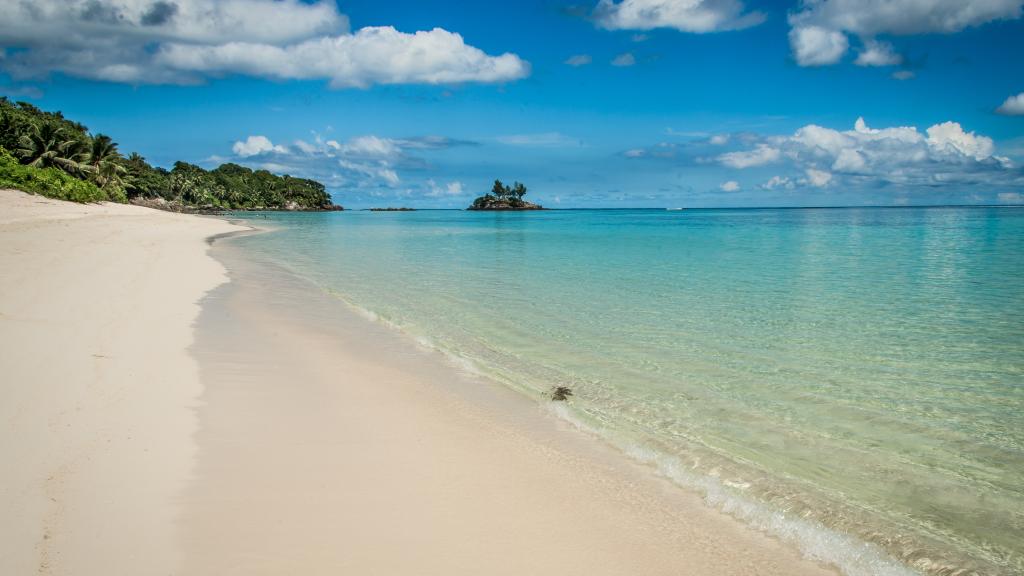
(503, 197)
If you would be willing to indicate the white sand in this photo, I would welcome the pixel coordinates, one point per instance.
(96, 384)
(305, 441)
(330, 444)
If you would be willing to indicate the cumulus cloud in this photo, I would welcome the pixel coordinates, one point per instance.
(759, 156)
(375, 55)
(729, 186)
(818, 178)
(819, 30)
(903, 74)
(783, 182)
(877, 53)
(817, 46)
(579, 60)
(1013, 106)
(256, 145)
(625, 59)
(684, 15)
(187, 41)
(943, 154)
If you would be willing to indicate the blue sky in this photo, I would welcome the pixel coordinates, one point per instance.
(714, 103)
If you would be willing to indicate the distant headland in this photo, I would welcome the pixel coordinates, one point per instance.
(503, 197)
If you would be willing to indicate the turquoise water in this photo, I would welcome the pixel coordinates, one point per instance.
(835, 376)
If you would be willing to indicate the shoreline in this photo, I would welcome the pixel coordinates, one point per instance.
(345, 444)
(97, 303)
(211, 414)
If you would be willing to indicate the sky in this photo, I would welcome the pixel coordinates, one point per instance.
(597, 103)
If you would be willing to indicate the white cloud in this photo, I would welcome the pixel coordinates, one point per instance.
(877, 53)
(255, 145)
(380, 171)
(903, 74)
(624, 59)
(683, 15)
(719, 140)
(579, 60)
(635, 153)
(451, 189)
(367, 162)
(1011, 197)
(778, 182)
(818, 26)
(729, 186)
(186, 41)
(818, 178)
(305, 147)
(378, 55)
(762, 154)
(368, 146)
(949, 137)
(943, 154)
(1013, 106)
(817, 46)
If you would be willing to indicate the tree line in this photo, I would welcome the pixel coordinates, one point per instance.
(44, 152)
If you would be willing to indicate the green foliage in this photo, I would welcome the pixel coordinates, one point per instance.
(144, 181)
(234, 187)
(502, 196)
(104, 164)
(503, 192)
(47, 140)
(50, 182)
(49, 146)
(18, 119)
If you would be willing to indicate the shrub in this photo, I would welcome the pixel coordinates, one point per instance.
(51, 182)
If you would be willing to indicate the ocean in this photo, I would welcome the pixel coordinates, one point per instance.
(848, 379)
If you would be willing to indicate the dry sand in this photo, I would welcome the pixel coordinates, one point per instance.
(97, 387)
(307, 440)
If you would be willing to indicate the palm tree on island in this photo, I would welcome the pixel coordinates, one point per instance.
(503, 197)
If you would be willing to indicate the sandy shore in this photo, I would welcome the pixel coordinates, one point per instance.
(285, 434)
(97, 390)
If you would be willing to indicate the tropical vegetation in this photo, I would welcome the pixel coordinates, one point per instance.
(504, 197)
(45, 153)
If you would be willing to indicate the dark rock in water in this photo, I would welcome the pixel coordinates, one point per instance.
(504, 198)
(490, 202)
(561, 393)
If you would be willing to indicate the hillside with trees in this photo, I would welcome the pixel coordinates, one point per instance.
(503, 197)
(45, 153)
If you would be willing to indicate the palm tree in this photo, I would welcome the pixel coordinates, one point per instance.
(47, 145)
(104, 162)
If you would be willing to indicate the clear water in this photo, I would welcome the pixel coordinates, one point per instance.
(858, 371)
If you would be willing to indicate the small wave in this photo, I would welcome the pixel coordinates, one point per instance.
(853, 557)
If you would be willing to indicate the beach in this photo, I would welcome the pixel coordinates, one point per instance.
(166, 412)
(96, 310)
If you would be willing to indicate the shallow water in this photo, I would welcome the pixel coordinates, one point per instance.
(860, 370)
